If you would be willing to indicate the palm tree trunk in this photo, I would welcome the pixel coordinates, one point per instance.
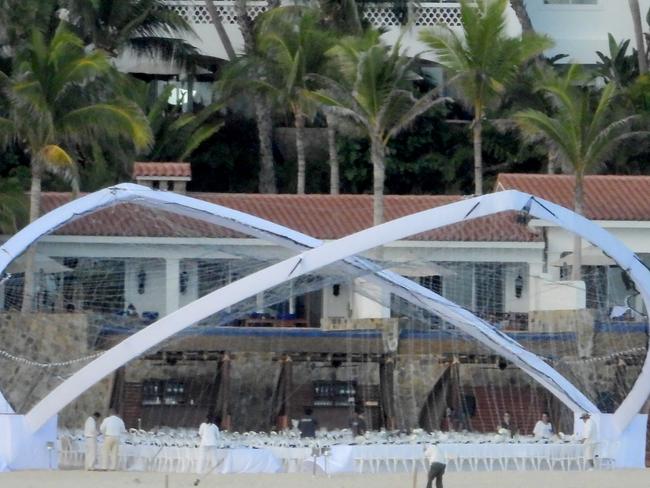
(638, 35)
(378, 158)
(333, 155)
(578, 204)
(478, 155)
(221, 31)
(266, 182)
(34, 213)
(300, 152)
(263, 119)
(522, 15)
(245, 25)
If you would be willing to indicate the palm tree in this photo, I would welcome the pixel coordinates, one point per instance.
(263, 106)
(57, 104)
(177, 135)
(293, 45)
(584, 128)
(519, 6)
(146, 27)
(482, 62)
(221, 31)
(374, 91)
(638, 36)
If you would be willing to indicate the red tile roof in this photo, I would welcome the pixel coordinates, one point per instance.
(607, 197)
(321, 216)
(162, 169)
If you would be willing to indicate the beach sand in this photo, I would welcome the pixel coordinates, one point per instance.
(495, 479)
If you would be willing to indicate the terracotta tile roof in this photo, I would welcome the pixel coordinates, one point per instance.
(321, 216)
(607, 197)
(162, 169)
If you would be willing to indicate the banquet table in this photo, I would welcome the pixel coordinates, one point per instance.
(343, 458)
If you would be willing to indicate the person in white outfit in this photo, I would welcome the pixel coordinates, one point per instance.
(209, 433)
(90, 438)
(589, 439)
(437, 465)
(543, 428)
(112, 427)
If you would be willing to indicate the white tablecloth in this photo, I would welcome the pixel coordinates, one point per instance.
(342, 458)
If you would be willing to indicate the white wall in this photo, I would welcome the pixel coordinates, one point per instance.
(337, 306)
(581, 30)
(153, 298)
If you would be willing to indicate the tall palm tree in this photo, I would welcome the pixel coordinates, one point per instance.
(374, 92)
(57, 104)
(147, 27)
(262, 104)
(638, 36)
(482, 61)
(221, 31)
(583, 128)
(293, 45)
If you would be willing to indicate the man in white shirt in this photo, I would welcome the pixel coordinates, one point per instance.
(438, 465)
(112, 427)
(90, 437)
(543, 428)
(589, 439)
(209, 433)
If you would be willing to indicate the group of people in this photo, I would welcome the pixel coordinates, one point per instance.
(112, 428)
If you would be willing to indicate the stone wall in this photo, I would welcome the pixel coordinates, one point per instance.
(46, 338)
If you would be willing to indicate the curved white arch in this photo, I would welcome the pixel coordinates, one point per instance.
(316, 258)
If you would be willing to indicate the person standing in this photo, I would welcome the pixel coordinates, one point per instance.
(308, 424)
(358, 423)
(437, 465)
(507, 426)
(589, 439)
(90, 437)
(112, 427)
(209, 433)
(543, 428)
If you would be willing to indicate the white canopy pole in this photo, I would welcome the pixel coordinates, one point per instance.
(341, 249)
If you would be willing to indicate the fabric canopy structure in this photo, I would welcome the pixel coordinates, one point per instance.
(319, 255)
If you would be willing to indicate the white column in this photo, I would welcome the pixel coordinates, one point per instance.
(259, 302)
(172, 291)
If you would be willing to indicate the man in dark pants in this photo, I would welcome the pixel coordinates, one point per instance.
(437, 469)
(308, 425)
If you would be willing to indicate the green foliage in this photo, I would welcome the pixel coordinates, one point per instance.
(584, 126)
(13, 205)
(60, 102)
(482, 60)
(147, 27)
(618, 67)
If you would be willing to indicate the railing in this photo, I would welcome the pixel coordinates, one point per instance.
(422, 14)
(195, 11)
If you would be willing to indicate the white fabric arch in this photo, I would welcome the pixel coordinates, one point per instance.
(316, 258)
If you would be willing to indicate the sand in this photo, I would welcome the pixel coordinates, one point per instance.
(508, 479)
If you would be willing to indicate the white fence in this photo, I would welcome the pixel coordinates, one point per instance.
(378, 14)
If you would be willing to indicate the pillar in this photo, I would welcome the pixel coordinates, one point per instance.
(283, 392)
(223, 393)
(172, 288)
(387, 391)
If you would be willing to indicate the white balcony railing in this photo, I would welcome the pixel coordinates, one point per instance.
(424, 14)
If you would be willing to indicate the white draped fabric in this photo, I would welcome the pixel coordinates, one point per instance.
(346, 458)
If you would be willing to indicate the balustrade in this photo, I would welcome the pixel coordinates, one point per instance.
(379, 14)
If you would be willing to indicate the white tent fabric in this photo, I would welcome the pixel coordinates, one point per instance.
(322, 255)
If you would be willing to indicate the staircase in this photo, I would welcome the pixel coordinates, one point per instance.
(525, 405)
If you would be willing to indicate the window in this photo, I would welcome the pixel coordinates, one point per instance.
(571, 2)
